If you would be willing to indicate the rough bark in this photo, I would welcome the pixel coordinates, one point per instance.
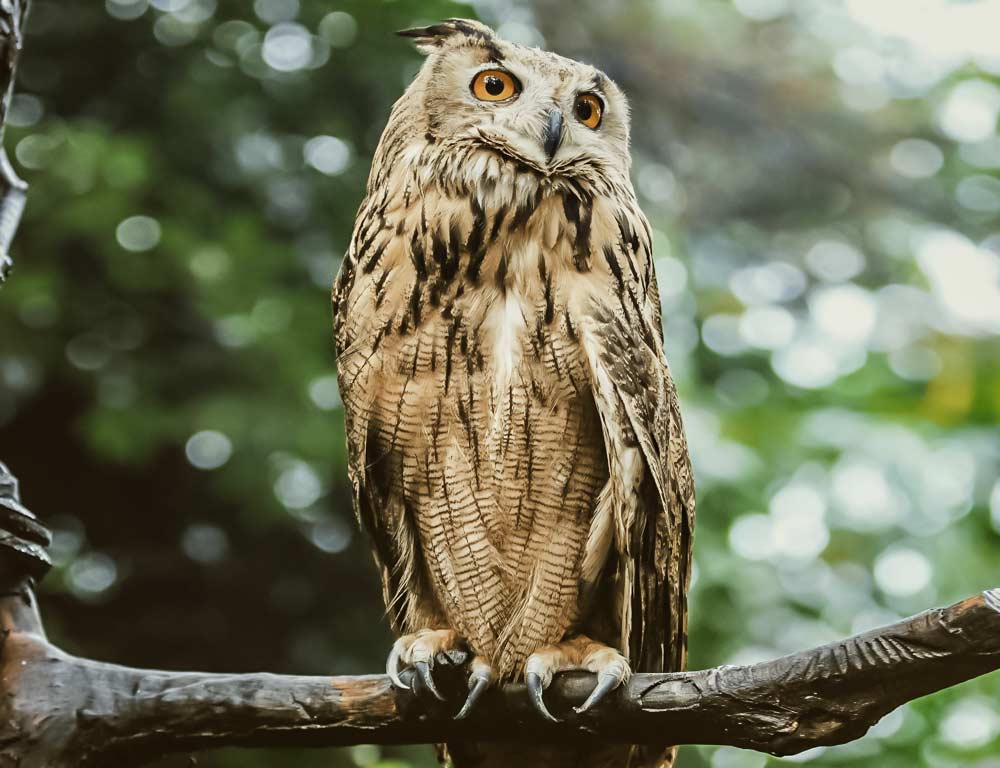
(59, 711)
(13, 191)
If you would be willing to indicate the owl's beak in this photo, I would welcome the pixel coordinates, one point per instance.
(553, 133)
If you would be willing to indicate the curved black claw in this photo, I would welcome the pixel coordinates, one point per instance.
(392, 667)
(605, 684)
(479, 684)
(424, 670)
(535, 690)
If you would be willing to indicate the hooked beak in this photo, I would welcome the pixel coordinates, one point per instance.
(553, 133)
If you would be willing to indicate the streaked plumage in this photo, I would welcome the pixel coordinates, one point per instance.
(516, 448)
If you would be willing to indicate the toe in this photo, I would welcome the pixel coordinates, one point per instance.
(480, 677)
(538, 673)
(535, 690)
(392, 664)
(605, 684)
(424, 669)
(478, 686)
(579, 652)
(422, 652)
(421, 655)
(612, 670)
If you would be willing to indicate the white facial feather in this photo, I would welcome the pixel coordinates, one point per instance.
(516, 127)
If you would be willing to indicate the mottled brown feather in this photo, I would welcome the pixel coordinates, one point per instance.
(501, 362)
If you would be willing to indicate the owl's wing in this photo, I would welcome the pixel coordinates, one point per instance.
(638, 404)
(361, 302)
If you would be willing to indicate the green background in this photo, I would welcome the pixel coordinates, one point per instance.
(825, 196)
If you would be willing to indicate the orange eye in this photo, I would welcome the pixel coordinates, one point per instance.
(495, 85)
(589, 109)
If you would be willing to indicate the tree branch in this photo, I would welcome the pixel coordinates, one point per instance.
(64, 711)
(13, 191)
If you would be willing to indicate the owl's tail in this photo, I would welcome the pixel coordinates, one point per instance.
(531, 756)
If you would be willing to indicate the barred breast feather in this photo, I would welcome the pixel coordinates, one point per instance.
(515, 445)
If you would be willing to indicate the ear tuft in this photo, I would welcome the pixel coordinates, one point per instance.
(432, 38)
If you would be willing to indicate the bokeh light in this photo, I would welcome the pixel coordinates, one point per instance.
(208, 449)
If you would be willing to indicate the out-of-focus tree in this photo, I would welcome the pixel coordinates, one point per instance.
(824, 179)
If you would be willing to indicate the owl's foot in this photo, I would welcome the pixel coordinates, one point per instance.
(426, 649)
(578, 653)
(420, 651)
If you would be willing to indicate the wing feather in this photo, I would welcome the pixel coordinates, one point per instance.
(638, 404)
(362, 318)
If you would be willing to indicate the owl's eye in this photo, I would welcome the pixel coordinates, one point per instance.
(495, 85)
(589, 110)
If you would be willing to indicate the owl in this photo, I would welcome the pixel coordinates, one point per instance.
(515, 446)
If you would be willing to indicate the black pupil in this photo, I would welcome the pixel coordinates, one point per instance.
(584, 110)
(494, 85)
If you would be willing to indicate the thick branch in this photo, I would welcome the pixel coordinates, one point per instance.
(63, 711)
(24, 541)
(13, 191)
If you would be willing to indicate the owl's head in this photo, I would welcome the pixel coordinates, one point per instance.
(555, 115)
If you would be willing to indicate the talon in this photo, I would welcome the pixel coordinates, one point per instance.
(392, 666)
(479, 684)
(605, 684)
(424, 670)
(535, 690)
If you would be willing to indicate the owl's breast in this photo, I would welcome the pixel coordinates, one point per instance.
(519, 310)
(466, 380)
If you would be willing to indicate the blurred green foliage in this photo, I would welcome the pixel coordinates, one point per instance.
(824, 181)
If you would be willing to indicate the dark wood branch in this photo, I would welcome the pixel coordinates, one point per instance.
(24, 541)
(13, 191)
(59, 710)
